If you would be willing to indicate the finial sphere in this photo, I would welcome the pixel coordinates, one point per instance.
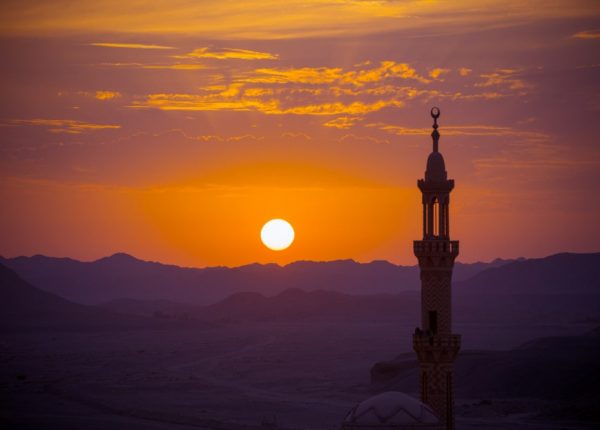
(435, 112)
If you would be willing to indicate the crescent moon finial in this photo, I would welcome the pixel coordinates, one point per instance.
(435, 114)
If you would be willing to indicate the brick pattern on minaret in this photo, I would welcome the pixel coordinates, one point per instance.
(434, 343)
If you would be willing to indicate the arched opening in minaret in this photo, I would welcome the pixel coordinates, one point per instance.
(436, 217)
(444, 219)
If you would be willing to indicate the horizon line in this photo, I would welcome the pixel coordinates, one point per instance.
(115, 254)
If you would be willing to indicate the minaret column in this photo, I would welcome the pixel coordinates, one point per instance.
(435, 345)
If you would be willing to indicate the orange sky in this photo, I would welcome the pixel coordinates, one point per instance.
(172, 130)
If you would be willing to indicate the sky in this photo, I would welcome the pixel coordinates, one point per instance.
(173, 130)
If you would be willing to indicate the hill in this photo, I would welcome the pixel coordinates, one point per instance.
(559, 273)
(563, 369)
(496, 295)
(25, 307)
(123, 276)
(320, 305)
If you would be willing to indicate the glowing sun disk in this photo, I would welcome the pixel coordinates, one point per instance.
(277, 234)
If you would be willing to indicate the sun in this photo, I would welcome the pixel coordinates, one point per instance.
(277, 234)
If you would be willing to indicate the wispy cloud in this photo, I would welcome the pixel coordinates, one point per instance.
(107, 95)
(508, 78)
(342, 122)
(129, 45)
(195, 102)
(354, 108)
(587, 34)
(346, 93)
(229, 53)
(463, 130)
(214, 102)
(330, 75)
(351, 138)
(176, 66)
(437, 72)
(258, 19)
(464, 71)
(69, 126)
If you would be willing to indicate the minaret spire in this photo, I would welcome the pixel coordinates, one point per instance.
(435, 114)
(434, 342)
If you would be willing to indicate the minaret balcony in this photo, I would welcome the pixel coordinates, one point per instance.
(435, 247)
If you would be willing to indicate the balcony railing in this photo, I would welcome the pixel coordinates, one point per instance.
(423, 340)
(433, 247)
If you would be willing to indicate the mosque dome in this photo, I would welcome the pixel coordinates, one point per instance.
(391, 410)
(436, 168)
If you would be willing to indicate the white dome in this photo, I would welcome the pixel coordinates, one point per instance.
(391, 410)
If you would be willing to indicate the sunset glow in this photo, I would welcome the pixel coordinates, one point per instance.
(277, 234)
(154, 130)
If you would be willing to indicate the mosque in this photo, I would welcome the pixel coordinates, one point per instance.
(435, 345)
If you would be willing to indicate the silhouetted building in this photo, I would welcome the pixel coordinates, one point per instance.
(434, 343)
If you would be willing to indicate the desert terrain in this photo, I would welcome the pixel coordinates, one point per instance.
(294, 360)
(240, 376)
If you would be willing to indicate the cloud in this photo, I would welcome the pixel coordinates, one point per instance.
(219, 101)
(304, 75)
(69, 126)
(335, 75)
(486, 95)
(350, 138)
(296, 136)
(229, 53)
(129, 45)
(177, 66)
(195, 102)
(437, 72)
(587, 34)
(212, 138)
(342, 122)
(354, 108)
(464, 71)
(533, 160)
(98, 95)
(259, 19)
(463, 130)
(107, 95)
(174, 66)
(503, 78)
(386, 70)
(346, 93)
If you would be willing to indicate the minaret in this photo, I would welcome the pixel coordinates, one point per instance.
(434, 343)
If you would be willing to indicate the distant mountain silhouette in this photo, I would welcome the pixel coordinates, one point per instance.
(561, 288)
(123, 276)
(560, 273)
(290, 305)
(298, 305)
(513, 301)
(153, 308)
(25, 307)
(566, 369)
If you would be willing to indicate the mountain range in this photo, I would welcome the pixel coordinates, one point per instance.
(23, 307)
(123, 276)
(563, 288)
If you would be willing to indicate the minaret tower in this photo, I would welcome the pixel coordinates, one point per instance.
(434, 343)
